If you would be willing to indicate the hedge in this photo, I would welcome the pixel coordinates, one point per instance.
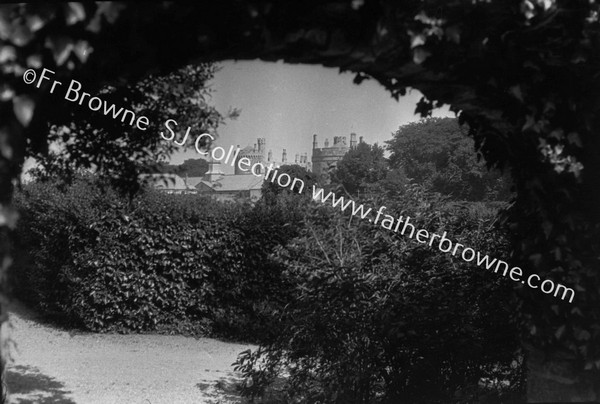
(157, 262)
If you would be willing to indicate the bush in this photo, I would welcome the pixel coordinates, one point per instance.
(377, 317)
(157, 262)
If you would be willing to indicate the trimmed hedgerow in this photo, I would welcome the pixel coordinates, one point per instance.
(157, 262)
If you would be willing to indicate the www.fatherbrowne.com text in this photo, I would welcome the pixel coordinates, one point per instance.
(402, 225)
(74, 93)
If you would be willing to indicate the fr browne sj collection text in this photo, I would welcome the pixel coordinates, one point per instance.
(74, 93)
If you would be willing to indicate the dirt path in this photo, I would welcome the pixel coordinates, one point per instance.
(53, 366)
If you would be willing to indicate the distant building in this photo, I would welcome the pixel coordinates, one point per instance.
(254, 154)
(326, 158)
(244, 185)
(223, 187)
(169, 183)
(258, 154)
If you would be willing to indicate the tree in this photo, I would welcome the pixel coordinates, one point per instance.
(182, 96)
(438, 154)
(361, 168)
(522, 74)
(190, 167)
(271, 191)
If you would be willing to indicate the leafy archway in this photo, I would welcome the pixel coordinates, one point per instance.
(523, 74)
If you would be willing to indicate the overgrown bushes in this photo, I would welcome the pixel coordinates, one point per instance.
(379, 318)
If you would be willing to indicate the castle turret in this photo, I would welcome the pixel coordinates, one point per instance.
(315, 144)
(326, 158)
(353, 140)
(261, 144)
(284, 156)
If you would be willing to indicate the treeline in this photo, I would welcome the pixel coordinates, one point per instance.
(190, 168)
(435, 153)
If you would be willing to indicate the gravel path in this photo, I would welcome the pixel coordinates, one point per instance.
(54, 366)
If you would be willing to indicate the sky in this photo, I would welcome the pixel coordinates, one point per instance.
(286, 104)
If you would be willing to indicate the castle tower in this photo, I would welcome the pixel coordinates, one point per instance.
(326, 158)
(261, 144)
(353, 140)
(255, 154)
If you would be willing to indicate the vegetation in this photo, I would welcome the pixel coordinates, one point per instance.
(360, 169)
(181, 95)
(375, 317)
(177, 263)
(272, 192)
(523, 75)
(190, 168)
(354, 314)
(438, 154)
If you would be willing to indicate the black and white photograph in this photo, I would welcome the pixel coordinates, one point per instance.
(300, 202)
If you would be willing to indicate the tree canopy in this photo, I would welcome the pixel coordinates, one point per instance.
(361, 168)
(271, 191)
(119, 151)
(438, 154)
(190, 167)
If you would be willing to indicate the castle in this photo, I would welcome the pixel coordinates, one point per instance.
(243, 184)
(324, 159)
(256, 154)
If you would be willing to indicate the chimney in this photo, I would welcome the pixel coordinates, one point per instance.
(270, 156)
(326, 142)
(360, 139)
(315, 145)
(254, 147)
(296, 161)
(214, 171)
(284, 156)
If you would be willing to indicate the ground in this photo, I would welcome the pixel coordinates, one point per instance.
(51, 366)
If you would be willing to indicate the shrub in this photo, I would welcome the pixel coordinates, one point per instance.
(157, 262)
(377, 317)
